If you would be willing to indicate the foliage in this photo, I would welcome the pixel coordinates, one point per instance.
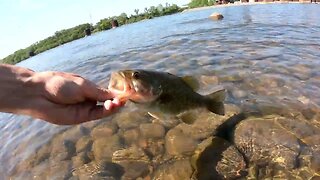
(200, 3)
(59, 38)
(67, 35)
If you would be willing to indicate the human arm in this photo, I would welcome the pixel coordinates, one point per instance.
(56, 97)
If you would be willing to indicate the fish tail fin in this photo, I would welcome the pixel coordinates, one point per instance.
(216, 107)
(215, 102)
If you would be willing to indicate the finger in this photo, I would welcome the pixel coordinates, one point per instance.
(93, 92)
(67, 74)
(118, 102)
(75, 114)
(90, 90)
(108, 105)
(100, 111)
(66, 114)
(88, 111)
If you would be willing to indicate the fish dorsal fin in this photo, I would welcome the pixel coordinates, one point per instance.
(192, 82)
(218, 95)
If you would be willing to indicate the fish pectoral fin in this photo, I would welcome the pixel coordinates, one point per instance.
(192, 82)
(160, 115)
(154, 115)
(164, 119)
(188, 117)
(217, 96)
(165, 98)
(191, 116)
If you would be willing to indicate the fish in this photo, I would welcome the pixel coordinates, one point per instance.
(163, 92)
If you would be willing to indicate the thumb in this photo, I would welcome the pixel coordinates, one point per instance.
(96, 93)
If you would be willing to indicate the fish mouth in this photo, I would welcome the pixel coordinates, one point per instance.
(121, 86)
(131, 85)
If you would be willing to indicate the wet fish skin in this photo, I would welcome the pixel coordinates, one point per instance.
(163, 92)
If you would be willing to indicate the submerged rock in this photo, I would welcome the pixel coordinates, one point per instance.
(105, 129)
(152, 130)
(38, 172)
(237, 93)
(62, 149)
(300, 128)
(25, 175)
(180, 169)
(216, 158)
(280, 147)
(128, 120)
(178, 143)
(80, 159)
(131, 136)
(84, 144)
(263, 141)
(98, 170)
(42, 154)
(154, 148)
(60, 170)
(134, 162)
(130, 154)
(74, 133)
(104, 147)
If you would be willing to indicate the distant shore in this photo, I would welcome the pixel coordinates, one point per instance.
(247, 3)
(67, 35)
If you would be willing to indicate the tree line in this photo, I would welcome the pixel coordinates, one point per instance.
(201, 3)
(67, 35)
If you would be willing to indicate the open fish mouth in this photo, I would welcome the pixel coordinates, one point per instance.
(121, 86)
(133, 85)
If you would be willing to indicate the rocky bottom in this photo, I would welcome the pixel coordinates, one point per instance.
(132, 145)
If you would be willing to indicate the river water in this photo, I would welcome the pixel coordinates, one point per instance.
(266, 56)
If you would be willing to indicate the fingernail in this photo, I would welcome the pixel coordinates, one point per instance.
(108, 105)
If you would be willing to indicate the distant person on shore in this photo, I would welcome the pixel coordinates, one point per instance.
(87, 32)
(114, 24)
(56, 97)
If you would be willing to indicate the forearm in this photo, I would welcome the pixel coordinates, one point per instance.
(16, 88)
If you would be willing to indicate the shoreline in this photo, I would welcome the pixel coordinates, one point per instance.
(245, 4)
(47, 44)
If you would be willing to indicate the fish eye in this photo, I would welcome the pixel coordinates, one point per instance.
(136, 75)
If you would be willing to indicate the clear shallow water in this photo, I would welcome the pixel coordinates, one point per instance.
(266, 56)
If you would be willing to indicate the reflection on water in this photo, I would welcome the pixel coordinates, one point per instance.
(266, 56)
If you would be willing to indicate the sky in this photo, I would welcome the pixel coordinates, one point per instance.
(24, 22)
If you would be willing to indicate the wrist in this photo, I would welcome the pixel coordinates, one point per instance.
(16, 87)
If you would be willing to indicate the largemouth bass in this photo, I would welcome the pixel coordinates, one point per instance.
(163, 92)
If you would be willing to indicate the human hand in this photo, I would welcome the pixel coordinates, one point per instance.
(56, 97)
(65, 98)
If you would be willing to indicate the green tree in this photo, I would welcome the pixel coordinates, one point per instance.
(200, 3)
(67, 35)
(122, 19)
(136, 11)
